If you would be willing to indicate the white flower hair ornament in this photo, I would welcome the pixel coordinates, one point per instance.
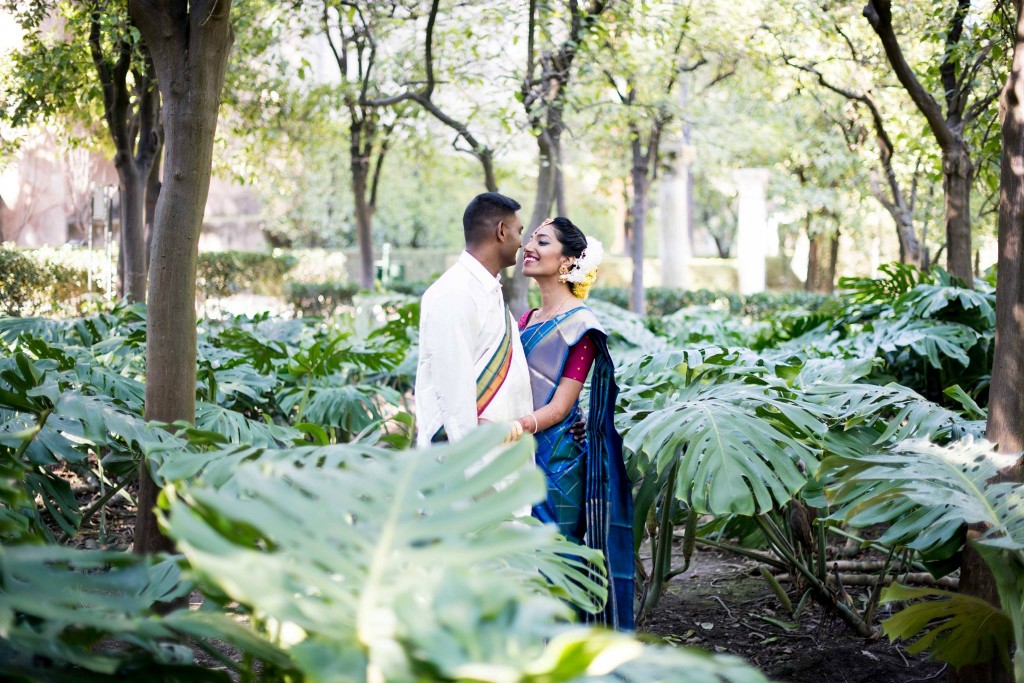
(587, 262)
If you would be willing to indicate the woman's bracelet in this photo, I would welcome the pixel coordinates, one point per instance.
(536, 424)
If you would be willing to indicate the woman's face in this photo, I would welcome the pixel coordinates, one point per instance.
(542, 255)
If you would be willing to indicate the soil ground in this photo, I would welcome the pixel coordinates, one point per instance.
(722, 604)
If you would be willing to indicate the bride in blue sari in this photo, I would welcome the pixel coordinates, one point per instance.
(589, 494)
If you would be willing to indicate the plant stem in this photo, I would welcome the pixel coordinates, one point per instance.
(821, 550)
(305, 398)
(40, 423)
(820, 589)
(663, 549)
(739, 550)
(869, 614)
(106, 497)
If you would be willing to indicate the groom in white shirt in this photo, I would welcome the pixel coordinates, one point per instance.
(472, 367)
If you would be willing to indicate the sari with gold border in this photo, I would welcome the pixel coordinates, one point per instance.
(589, 494)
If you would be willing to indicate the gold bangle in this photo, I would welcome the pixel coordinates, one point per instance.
(515, 431)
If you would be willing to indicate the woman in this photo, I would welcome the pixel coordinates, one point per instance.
(589, 494)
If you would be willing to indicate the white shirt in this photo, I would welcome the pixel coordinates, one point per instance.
(462, 317)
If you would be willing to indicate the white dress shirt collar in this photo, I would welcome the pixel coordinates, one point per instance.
(487, 281)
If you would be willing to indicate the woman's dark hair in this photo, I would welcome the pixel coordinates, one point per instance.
(572, 238)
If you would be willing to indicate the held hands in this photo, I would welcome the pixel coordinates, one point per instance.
(515, 430)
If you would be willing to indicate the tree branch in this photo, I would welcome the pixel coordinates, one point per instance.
(340, 57)
(381, 153)
(879, 15)
(955, 97)
(113, 83)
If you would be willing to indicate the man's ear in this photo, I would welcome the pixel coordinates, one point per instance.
(501, 232)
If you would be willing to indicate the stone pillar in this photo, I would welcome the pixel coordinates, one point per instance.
(676, 203)
(752, 234)
(674, 250)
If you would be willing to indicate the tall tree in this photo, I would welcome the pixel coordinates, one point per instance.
(1006, 394)
(354, 31)
(424, 97)
(957, 71)
(189, 44)
(892, 195)
(643, 51)
(52, 62)
(555, 33)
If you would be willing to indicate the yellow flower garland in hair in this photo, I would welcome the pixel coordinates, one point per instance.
(581, 289)
(584, 271)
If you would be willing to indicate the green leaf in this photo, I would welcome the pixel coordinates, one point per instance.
(970, 406)
(956, 628)
(371, 534)
(738, 444)
(950, 482)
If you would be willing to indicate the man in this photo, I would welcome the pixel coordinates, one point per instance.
(472, 367)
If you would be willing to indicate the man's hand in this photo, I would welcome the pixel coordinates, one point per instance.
(579, 430)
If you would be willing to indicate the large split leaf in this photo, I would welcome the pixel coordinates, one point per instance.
(738, 445)
(333, 554)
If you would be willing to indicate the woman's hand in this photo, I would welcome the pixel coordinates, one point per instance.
(578, 429)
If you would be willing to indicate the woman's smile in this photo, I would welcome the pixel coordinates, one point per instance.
(542, 255)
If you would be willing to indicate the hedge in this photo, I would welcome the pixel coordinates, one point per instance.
(662, 301)
(224, 273)
(314, 281)
(320, 298)
(43, 282)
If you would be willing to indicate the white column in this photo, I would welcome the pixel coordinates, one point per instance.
(674, 249)
(752, 232)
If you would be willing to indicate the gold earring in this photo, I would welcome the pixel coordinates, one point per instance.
(563, 272)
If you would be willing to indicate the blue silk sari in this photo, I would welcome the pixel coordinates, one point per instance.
(589, 494)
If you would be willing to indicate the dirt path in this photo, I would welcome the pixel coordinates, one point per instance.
(723, 605)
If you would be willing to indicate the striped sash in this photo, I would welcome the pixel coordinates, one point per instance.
(494, 373)
(491, 377)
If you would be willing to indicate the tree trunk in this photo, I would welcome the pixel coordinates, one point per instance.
(813, 267)
(910, 248)
(133, 231)
(561, 206)
(189, 44)
(822, 261)
(360, 165)
(957, 177)
(153, 185)
(517, 285)
(1006, 394)
(639, 221)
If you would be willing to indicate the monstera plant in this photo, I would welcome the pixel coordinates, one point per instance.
(953, 485)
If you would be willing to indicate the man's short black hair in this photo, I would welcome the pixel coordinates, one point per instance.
(484, 212)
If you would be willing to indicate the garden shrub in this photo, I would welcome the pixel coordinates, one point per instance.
(40, 283)
(664, 301)
(223, 273)
(320, 298)
(413, 288)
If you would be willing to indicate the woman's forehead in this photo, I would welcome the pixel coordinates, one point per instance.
(545, 231)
